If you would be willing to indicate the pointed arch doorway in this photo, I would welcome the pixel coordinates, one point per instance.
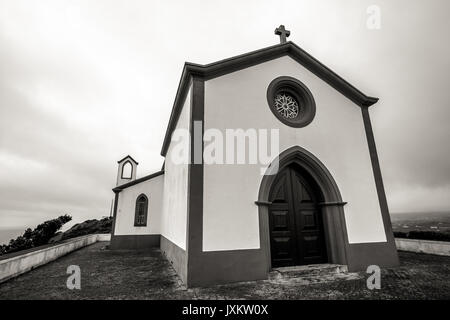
(301, 212)
(295, 220)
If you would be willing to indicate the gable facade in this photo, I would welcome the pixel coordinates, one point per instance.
(213, 223)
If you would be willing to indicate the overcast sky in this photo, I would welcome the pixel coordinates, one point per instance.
(84, 83)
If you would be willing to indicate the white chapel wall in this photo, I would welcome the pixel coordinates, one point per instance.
(174, 219)
(336, 137)
(126, 206)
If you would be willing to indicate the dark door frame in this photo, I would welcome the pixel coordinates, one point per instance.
(331, 206)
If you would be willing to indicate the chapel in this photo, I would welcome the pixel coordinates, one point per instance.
(302, 186)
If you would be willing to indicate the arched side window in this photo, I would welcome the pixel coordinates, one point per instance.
(127, 170)
(140, 216)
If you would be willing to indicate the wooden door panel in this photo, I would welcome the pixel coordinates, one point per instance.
(280, 220)
(296, 230)
(312, 245)
(313, 249)
(283, 248)
(282, 228)
(308, 220)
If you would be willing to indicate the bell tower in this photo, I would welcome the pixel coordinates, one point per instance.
(126, 171)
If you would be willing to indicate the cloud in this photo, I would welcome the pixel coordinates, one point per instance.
(84, 83)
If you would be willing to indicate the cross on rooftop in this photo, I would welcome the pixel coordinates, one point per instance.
(283, 33)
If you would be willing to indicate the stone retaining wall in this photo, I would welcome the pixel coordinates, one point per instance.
(441, 248)
(17, 265)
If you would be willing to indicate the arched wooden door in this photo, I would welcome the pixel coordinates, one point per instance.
(295, 221)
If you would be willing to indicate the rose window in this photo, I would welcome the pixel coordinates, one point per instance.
(286, 105)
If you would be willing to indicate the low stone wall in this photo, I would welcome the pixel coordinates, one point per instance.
(10, 268)
(441, 248)
(104, 237)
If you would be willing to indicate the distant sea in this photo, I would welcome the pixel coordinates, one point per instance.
(7, 234)
(420, 215)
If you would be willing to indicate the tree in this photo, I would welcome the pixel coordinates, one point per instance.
(46, 230)
(37, 237)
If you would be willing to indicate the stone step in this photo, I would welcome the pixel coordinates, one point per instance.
(307, 271)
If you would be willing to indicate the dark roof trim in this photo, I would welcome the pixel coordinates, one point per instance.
(128, 157)
(134, 182)
(219, 68)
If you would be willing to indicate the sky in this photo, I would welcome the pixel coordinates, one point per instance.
(84, 83)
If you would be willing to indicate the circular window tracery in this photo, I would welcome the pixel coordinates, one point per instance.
(286, 105)
(291, 102)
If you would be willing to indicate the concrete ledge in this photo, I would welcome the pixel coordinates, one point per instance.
(103, 237)
(176, 256)
(441, 248)
(10, 268)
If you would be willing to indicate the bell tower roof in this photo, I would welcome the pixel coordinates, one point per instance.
(128, 157)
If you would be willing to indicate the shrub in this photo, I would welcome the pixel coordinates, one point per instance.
(429, 235)
(37, 237)
(399, 234)
(423, 235)
(89, 227)
(46, 230)
(20, 243)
